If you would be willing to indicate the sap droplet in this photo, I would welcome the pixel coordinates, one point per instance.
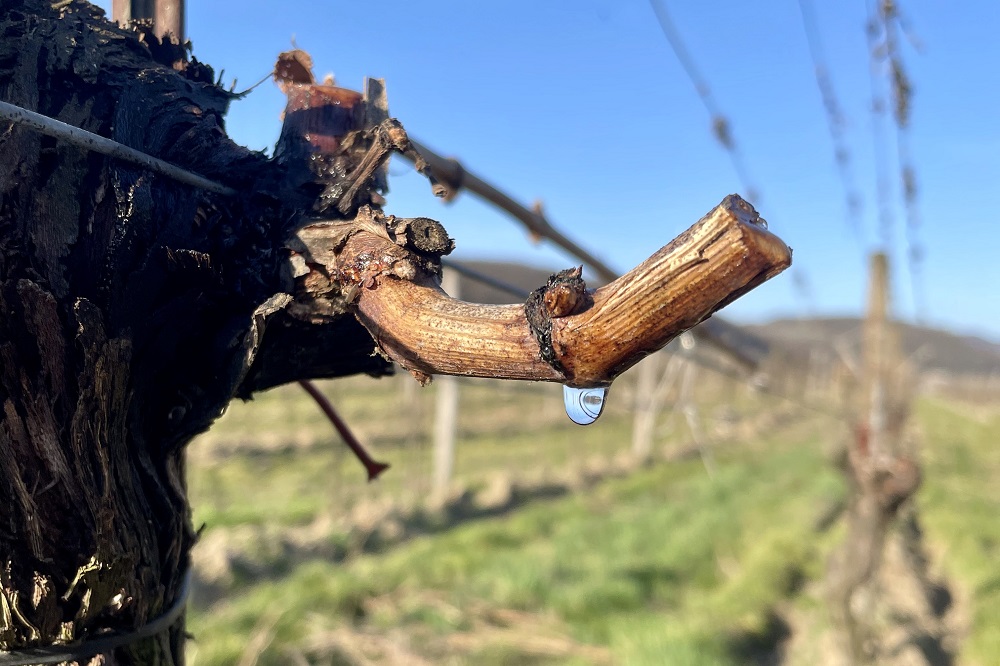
(584, 406)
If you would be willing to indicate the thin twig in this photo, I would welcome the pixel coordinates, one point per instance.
(879, 145)
(721, 127)
(373, 467)
(834, 119)
(902, 94)
(99, 144)
(451, 173)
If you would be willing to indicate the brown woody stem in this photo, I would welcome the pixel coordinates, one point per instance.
(565, 334)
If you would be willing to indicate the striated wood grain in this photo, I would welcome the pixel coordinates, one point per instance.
(581, 339)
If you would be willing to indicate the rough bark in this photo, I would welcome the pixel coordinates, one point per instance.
(132, 307)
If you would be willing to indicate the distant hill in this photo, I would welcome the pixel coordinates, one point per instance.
(980, 344)
(933, 349)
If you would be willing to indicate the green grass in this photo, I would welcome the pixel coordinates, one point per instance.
(277, 461)
(666, 566)
(960, 506)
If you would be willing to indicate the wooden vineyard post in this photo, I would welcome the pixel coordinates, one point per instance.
(167, 16)
(644, 419)
(881, 358)
(649, 406)
(445, 411)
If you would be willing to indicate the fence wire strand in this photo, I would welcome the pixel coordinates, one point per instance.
(835, 121)
(721, 126)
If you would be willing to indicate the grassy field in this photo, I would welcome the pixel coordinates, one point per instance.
(667, 565)
(960, 503)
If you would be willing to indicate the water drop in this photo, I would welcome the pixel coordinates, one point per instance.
(584, 405)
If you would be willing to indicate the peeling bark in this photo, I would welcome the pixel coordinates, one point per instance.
(133, 309)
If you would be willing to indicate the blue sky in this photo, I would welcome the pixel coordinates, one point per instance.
(584, 106)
